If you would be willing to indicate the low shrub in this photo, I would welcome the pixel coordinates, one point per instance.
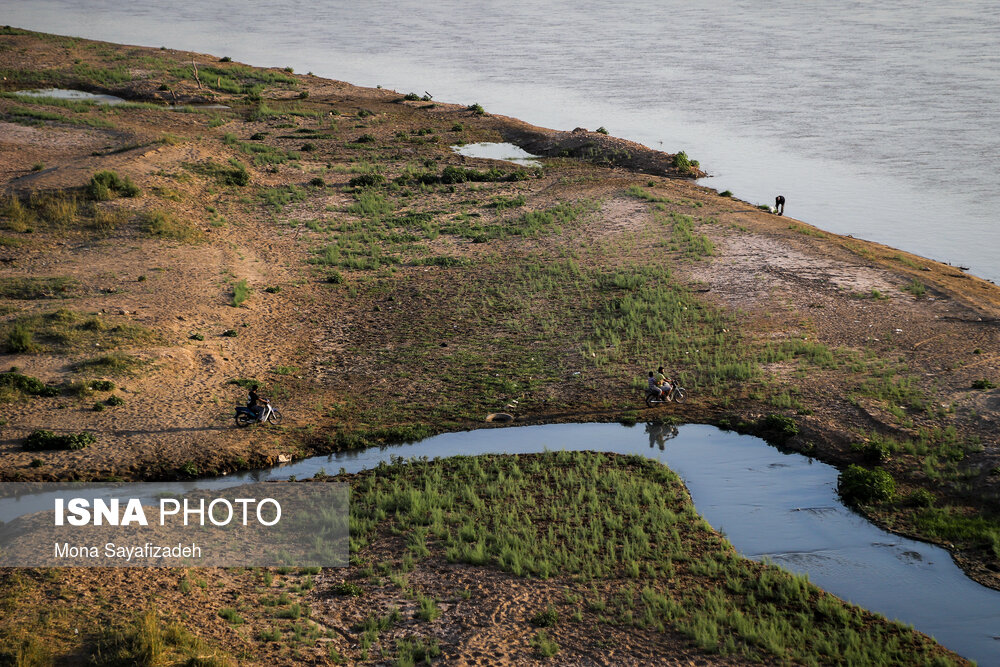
(476, 109)
(102, 385)
(368, 180)
(114, 400)
(42, 439)
(860, 486)
(26, 384)
(546, 618)
(920, 498)
(682, 162)
(19, 339)
(347, 588)
(105, 185)
(777, 428)
(982, 384)
(872, 452)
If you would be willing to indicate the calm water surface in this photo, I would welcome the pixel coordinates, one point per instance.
(783, 507)
(880, 120)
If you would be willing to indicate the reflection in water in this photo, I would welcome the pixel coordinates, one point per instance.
(659, 433)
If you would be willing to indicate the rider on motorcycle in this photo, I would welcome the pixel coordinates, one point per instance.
(257, 403)
(662, 380)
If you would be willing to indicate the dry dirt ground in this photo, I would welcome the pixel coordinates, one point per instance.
(331, 345)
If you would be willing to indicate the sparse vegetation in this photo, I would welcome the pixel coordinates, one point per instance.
(105, 185)
(916, 288)
(43, 439)
(166, 225)
(241, 291)
(862, 486)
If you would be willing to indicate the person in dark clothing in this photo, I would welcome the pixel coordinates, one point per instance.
(779, 205)
(256, 402)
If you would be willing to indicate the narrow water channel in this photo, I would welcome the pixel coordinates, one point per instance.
(783, 507)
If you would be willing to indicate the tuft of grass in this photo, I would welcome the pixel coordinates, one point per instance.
(241, 291)
(416, 650)
(280, 197)
(546, 618)
(544, 646)
(148, 642)
(115, 363)
(916, 288)
(164, 224)
(31, 289)
(231, 615)
(105, 185)
(235, 174)
(20, 339)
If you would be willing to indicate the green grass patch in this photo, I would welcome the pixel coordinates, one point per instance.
(594, 521)
(165, 225)
(241, 292)
(916, 288)
(279, 197)
(38, 288)
(235, 174)
(115, 363)
(148, 640)
(65, 330)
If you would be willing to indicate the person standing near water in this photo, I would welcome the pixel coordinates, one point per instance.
(779, 205)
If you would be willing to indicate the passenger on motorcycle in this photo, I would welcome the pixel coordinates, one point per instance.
(256, 403)
(654, 385)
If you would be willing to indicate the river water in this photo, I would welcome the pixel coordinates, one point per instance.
(774, 505)
(880, 120)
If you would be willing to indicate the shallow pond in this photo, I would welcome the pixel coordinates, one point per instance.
(770, 504)
(74, 95)
(499, 151)
(98, 98)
